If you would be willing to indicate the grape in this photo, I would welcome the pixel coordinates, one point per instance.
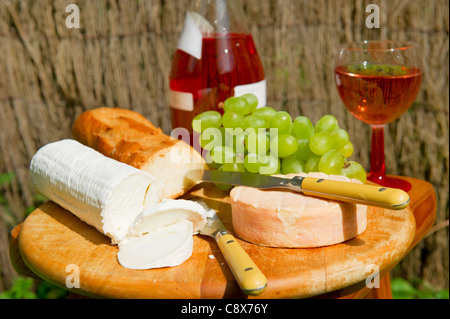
(232, 119)
(235, 139)
(347, 150)
(354, 170)
(272, 133)
(270, 165)
(252, 101)
(327, 123)
(284, 144)
(292, 165)
(267, 114)
(210, 161)
(264, 141)
(206, 120)
(262, 164)
(222, 154)
(223, 187)
(312, 164)
(238, 105)
(321, 143)
(234, 167)
(254, 121)
(252, 163)
(212, 137)
(340, 138)
(240, 158)
(257, 143)
(331, 163)
(303, 128)
(303, 151)
(282, 121)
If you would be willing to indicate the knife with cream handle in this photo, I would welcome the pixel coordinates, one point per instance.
(389, 198)
(249, 277)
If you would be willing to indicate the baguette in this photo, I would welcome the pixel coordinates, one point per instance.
(130, 138)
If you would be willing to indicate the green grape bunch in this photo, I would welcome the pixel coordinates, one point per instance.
(269, 142)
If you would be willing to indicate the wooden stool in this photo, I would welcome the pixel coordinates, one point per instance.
(219, 281)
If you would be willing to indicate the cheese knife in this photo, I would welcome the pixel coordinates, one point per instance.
(247, 274)
(378, 196)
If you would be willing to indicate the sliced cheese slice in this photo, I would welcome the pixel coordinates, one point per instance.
(168, 212)
(102, 192)
(164, 247)
(160, 238)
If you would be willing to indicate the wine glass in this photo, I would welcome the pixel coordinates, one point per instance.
(378, 81)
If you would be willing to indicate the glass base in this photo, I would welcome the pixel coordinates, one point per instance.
(390, 182)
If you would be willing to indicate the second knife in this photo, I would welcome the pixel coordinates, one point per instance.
(378, 196)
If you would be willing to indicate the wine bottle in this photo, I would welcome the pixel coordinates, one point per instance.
(216, 58)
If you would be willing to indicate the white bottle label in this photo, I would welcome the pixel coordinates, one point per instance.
(181, 100)
(258, 88)
(191, 39)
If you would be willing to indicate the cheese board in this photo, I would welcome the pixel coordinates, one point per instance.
(59, 247)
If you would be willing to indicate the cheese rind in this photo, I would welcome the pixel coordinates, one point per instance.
(102, 192)
(287, 219)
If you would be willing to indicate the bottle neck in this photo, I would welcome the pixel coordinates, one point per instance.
(216, 17)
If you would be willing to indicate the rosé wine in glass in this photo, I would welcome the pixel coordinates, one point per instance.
(378, 81)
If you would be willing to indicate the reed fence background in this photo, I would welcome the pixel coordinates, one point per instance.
(121, 57)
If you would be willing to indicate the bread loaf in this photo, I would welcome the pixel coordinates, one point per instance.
(130, 138)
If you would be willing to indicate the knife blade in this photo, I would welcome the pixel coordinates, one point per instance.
(371, 195)
(249, 277)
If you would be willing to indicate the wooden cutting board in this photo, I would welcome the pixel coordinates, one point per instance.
(57, 246)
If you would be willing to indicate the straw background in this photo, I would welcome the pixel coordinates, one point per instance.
(121, 57)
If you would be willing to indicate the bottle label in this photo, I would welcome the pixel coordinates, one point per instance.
(258, 88)
(181, 100)
(184, 101)
(191, 39)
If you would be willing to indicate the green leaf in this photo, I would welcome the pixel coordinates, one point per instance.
(21, 289)
(3, 200)
(39, 199)
(416, 289)
(442, 294)
(6, 178)
(402, 289)
(6, 295)
(46, 290)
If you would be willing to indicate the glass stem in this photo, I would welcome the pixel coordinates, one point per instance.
(377, 165)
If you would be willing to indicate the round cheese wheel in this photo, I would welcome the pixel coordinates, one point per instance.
(288, 219)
